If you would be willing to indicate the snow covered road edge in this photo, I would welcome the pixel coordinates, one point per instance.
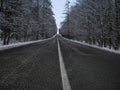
(94, 46)
(5, 47)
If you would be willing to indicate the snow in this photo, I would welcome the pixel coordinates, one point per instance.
(5, 47)
(95, 46)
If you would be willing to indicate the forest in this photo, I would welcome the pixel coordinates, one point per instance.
(95, 22)
(26, 20)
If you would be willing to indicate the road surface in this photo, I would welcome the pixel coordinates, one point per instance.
(59, 64)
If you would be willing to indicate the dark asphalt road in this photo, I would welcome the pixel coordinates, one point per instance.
(89, 68)
(33, 67)
(36, 67)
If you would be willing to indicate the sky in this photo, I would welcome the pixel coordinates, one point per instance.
(58, 9)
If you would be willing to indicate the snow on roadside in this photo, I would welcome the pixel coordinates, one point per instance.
(95, 46)
(5, 47)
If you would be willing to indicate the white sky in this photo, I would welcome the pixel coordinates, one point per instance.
(58, 9)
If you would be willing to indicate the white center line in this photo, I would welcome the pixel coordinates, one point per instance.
(65, 80)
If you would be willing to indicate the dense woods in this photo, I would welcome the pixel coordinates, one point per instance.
(26, 20)
(93, 21)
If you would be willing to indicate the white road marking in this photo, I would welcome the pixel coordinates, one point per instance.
(65, 80)
(26, 60)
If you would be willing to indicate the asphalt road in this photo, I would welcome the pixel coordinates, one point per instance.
(36, 67)
(89, 68)
(31, 67)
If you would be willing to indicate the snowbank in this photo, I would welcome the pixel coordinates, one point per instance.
(95, 46)
(4, 47)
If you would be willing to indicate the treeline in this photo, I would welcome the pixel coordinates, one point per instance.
(94, 21)
(26, 20)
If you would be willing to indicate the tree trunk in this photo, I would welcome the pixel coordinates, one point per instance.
(117, 4)
(1, 7)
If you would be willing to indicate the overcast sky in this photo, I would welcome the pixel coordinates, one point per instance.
(58, 9)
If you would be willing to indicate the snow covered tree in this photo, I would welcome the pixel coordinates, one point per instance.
(23, 20)
(48, 22)
(67, 21)
(95, 21)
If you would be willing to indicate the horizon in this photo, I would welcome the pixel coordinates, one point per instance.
(58, 9)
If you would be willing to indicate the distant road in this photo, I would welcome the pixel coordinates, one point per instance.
(37, 67)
